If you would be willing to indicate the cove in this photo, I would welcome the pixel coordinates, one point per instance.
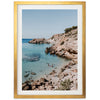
(34, 59)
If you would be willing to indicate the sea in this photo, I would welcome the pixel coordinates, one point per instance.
(34, 59)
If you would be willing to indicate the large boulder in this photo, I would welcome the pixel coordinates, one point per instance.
(68, 55)
(27, 87)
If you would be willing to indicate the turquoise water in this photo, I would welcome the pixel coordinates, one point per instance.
(34, 59)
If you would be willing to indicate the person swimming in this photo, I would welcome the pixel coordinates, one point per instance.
(51, 65)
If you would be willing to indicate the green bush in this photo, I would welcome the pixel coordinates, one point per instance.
(69, 29)
(65, 85)
(74, 27)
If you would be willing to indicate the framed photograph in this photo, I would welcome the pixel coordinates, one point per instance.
(49, 49)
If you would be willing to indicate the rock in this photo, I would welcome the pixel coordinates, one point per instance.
(38, 83)
(61, 76)
(55, 80)
(33, 73)
(23, 85)
(62, 69)
(43, 80)
(65, 73)
(75, 70)
(46, 41)
(75, 51)
(72, 51)
(71, 63)
(53, 72)
(67, 66)
(32, 80)
(74, 87)
(68, 55)
(33, 87)
(41, 87)
(27, 82)
(26, 75)
(60, 54)
(30, 41)
(33, 84)
(49, 88)
(26, 88)
(52, 52)
(47, 83)
(49, 77)
(38, 41)
(47, 50)
(75, 61)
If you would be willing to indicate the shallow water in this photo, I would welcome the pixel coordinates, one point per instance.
(34, 59)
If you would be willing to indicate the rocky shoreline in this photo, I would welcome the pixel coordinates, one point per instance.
(63, 45)
(39, 41)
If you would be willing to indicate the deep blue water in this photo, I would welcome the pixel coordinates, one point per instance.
(34, 59)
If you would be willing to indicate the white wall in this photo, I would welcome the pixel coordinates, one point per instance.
(92, 49)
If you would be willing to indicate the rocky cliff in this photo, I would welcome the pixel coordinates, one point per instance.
(65, 78)
(64, 45)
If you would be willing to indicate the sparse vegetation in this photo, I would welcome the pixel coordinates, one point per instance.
(65, 85)
(69, 29)
(62, 43)
(74, 27)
